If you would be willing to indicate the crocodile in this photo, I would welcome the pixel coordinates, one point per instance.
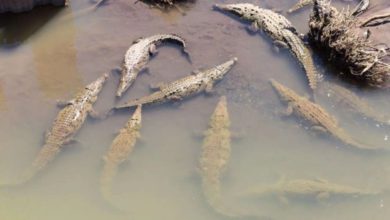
(313, 113)
(279, 29)
(308, 188)
(67, 123)
(345, 96)
(360, 8)
(215, 154)
(214, 158)
(119, 151)
(138, 55)
(193, 84)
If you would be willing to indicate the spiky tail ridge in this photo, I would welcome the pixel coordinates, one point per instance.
(308, 66)
(300, 51)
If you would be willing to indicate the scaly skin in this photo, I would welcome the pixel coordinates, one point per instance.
(279, 29)
(320, 119)
(119, 151)
(360, 8)
(319, 189)
(215, 156)
(344, 96)
(138, 55)
(302, 54)
(187, 86)
(271, 22)
(68, 122)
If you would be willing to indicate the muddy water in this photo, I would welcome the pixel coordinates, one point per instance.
(48, 54)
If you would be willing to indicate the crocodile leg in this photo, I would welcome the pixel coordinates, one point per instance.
(283, 199)
(195, 72)
(96, 115)
(279, 44)
(153, 50)
(62, 103)
(175, 98)
(47, 134)
(157, 86)
(70, 141)
(322, 196)
(289, 110)
(209, 88)
(253, 28)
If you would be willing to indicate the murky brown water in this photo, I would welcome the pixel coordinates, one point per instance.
(48, 54)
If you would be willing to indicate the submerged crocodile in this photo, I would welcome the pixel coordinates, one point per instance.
(279, 29)
(320, 119)
(68, 122)
(215, 154)
(306, 188)
(119, 151)
(214, 158)
(187, 86)
(360, 8)
(138, 55)
(344, 96)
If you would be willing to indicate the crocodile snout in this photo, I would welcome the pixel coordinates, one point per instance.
(219, 7)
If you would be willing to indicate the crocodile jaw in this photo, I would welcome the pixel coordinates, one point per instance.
(97, 85)
(232, 8)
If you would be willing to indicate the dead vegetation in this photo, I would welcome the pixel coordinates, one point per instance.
(340, 35)
(165, 4)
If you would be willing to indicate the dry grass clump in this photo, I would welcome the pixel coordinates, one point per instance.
(163, 4)
(338, 34)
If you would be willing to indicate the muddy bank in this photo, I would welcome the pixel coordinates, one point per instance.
(26, 5)
(360, 51)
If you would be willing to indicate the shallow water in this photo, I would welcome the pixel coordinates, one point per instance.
(49, 53)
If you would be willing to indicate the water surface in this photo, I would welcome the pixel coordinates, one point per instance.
(49, 53)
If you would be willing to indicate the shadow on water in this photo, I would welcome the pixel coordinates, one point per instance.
(54, 57)
(17, 28)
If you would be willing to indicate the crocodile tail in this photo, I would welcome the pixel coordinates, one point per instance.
(300, 4)
(213, 197)
(178, 39)
(48, 152)
(109, 172)
(308, 66)
(362, 146)
(129, 104)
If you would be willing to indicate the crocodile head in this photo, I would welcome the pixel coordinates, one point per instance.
(242, 10)
(136, 119)
(123, 86)
(220, 71)
(284, 92)
(95, 87)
